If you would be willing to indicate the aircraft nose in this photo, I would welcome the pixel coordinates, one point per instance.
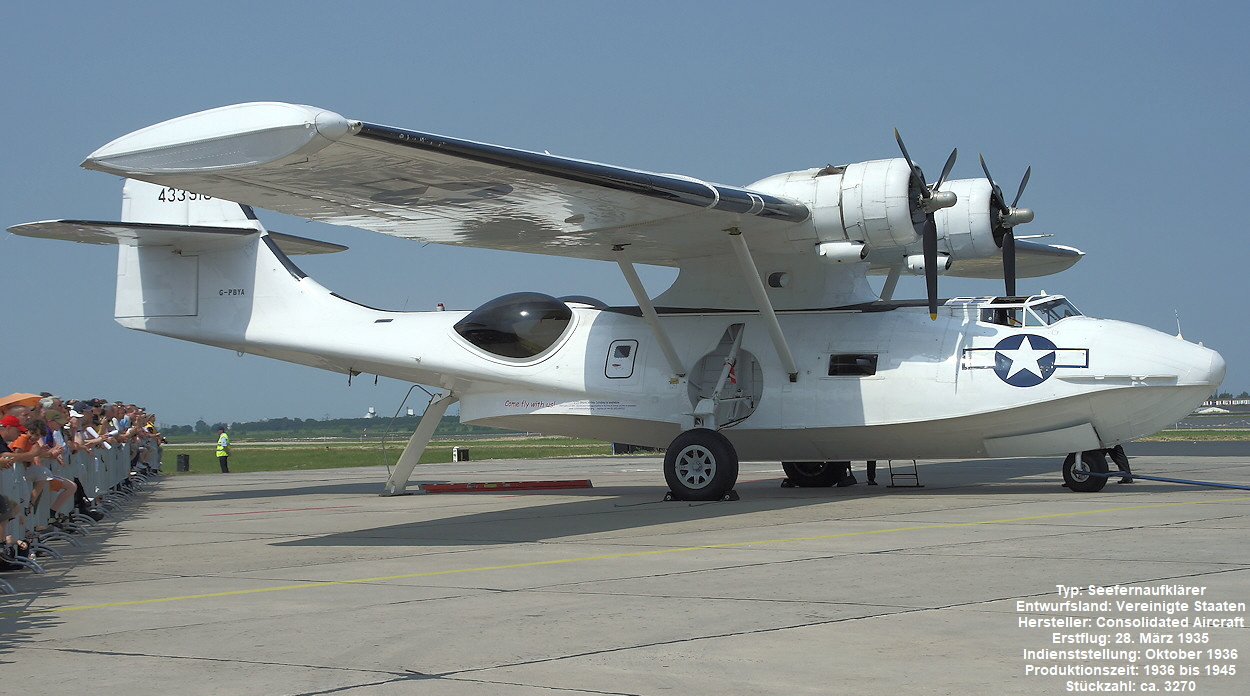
(1215, 374)
(1200, 366)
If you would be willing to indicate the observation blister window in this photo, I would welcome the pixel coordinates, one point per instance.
(520, 325)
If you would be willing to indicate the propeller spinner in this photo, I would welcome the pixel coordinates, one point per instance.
(928, 200)
(1005, 219)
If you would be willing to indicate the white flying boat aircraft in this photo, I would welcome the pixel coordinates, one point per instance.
(770, 344)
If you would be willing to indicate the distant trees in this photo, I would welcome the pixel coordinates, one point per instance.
(284, 428)
(1229, 395)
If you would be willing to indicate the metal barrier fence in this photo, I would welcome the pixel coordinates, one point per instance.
(99, 472)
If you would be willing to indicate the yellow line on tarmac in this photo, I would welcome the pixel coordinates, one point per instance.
(583, 559)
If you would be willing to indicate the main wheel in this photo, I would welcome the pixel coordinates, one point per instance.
(814, 474)
(1076, 471)
(700, 464)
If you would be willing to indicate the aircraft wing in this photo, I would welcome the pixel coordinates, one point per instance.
(318, 165)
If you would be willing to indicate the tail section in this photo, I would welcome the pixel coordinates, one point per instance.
(190, 266)
(151, 204)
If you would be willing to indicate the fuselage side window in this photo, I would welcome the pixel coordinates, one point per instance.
(620, 363)
(853, 365)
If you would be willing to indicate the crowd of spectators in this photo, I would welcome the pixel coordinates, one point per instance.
(59, 461)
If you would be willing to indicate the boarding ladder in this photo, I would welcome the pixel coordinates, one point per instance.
(903, 474)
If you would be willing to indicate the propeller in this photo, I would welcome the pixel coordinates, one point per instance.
(1005, 219)
(928, 200)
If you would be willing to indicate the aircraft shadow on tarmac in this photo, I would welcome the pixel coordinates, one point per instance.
(988, 471)
(972, 477)
(600, 512)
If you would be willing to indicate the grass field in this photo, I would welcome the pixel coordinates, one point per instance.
(281, 456)
(1196, 435)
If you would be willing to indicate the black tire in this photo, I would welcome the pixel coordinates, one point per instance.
(814, 474)
(700, 464)
(1076, 472)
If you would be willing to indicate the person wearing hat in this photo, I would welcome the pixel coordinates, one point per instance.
(31, 448)
(11, 432)
(223, 448)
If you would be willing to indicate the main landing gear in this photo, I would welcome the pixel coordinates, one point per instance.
(701, 464)
(814, 474)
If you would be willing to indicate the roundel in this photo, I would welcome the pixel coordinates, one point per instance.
(1024, 360)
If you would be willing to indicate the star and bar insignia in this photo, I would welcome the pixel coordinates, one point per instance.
(1024, 360)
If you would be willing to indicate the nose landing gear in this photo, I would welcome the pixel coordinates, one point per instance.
(1077, 471)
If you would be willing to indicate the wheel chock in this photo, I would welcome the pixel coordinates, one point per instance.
(670, 497)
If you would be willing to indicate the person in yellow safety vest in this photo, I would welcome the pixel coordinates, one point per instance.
(223, 449)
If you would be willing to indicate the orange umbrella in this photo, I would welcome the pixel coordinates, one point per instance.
(18, 398)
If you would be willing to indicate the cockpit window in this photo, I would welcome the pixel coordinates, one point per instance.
(520, 325)
(1052, 311)
(1002, 316)
(1016, 311)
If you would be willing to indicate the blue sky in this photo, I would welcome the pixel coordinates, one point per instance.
(1132, 115)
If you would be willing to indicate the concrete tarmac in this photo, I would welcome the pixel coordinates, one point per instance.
(308, 583)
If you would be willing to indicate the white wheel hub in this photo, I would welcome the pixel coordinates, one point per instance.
(695, 466)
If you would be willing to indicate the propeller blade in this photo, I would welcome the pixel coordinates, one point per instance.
(1023, 182)
(930, 263)
(930, 200)
(1009, 263)
(996, 194)
(950, 163)
(917, 178)
(903, 147)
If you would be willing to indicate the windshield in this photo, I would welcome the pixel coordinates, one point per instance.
(1052, 310)
(1015, 311)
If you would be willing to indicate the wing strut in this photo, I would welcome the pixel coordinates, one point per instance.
(648, 309)
(891, 281)
(752, 276)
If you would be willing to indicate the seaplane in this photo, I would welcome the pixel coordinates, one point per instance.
(770, 345)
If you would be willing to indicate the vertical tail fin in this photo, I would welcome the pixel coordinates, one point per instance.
(148, 203)
(159, 275)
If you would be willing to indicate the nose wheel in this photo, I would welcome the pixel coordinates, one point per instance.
(700, 464)
(1079, 466)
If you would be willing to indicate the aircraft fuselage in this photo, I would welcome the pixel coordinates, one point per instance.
(880, 381)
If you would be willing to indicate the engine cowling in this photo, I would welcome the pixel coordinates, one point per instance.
(966, 226)
(865, 202)
(865, 207)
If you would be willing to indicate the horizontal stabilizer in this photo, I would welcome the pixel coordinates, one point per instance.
(189, 237)
(296, 246)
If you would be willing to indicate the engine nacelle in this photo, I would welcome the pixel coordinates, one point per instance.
(861, 208)
(967, 226)
(866, 202)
